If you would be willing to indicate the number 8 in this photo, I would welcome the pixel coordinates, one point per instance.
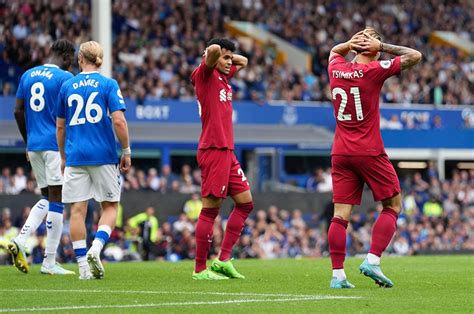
(37, 93)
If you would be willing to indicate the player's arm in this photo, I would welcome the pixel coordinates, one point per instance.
(212, 54)
(344, 48)
(20, 118)
(121, 130)
(408, 56)
(239, 61)
(60, 138)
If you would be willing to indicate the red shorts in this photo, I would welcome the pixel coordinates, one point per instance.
(349, 173)
(221, 173)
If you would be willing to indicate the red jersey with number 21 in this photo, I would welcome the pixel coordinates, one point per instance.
(355, 90)
(214, 97)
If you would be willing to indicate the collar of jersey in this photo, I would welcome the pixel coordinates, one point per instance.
(89, 72)
(50, 65)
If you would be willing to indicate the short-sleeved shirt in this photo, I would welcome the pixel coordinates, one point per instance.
(39, 88)
(355, 90)
(86, 102)
(214, 97)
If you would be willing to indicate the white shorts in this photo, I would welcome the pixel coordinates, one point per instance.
(82, 183)
(46, 167)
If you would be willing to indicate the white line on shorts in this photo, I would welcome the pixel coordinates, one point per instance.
(121, 306)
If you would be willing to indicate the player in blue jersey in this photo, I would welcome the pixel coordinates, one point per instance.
(35, 104)
(89, 107)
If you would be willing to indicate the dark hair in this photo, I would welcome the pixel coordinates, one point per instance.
(62, 47)
(223, 42)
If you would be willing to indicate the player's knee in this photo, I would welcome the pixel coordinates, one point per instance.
(210, 213)
(54, 193)
(245, 207)
(394, 203)
(44, 193)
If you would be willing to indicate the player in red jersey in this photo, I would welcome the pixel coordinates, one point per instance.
(358, 154)
(221, 172)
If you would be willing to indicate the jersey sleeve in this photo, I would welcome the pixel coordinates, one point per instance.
(115, 99)
(382, 70)
(20, 94)
(233, 70)
(60, 109)
(335, 59)
(202, 72)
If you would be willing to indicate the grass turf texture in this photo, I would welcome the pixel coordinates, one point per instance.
(441, 284)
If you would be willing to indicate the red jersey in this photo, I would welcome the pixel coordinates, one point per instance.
(355, 90)
(214, 97)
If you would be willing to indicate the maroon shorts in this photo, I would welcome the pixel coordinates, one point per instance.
(221, 173)
(349, 173)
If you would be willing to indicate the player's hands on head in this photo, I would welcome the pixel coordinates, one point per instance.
(370, 45)
(357, 41)
(125, 163)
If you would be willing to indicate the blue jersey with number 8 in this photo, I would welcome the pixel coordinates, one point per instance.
(86, 102)
(39, 88)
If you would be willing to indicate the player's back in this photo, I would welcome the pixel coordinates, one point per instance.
(355, 90)
(86, 101)
(39, 88)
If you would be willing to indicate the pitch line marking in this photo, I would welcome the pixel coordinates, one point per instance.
(120, 306)
(175, 292)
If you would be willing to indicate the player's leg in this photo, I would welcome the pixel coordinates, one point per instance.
(204, 231)
(77, 190)
(347, 191)
(215, 175)
(54, 219)
(107, 190)
(383, 181)
(240, 191)
(337, 245)
(78, 237)
(37, 214)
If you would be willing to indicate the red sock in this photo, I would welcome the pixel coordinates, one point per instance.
(233, 229)
(204, 228)
(337, 242)
(383, 231)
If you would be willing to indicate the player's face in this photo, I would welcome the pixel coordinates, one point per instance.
(225, 61)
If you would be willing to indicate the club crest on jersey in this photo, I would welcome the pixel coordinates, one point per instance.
(224, 95)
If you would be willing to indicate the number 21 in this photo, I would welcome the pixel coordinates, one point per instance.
(358, 105)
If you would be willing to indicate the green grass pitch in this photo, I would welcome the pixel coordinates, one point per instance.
(435, 284)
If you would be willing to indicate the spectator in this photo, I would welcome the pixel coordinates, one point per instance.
(193, 207)
(147, 224)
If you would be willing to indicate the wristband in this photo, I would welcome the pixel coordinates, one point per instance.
(381, 47)
(126, 151)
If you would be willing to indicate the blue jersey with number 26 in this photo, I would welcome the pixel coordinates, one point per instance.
(86, 102)
(39, 88)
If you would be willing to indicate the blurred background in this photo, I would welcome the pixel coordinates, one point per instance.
(283, 120)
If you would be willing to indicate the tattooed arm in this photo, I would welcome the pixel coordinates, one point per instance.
(408, 56)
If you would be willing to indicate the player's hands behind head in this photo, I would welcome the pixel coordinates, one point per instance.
(370, 45)
(356, 42)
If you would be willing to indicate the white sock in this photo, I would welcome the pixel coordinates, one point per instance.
(339, 274)
(54, 224)
(35, 218)
(101, 237)
(80, 251)
(373, 259)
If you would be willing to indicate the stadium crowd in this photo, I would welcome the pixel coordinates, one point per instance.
(156, 44)
(437, 216)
